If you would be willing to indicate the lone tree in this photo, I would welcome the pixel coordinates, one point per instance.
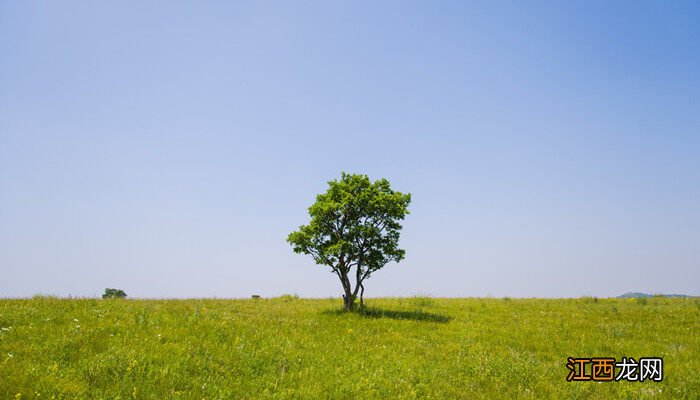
(113, 294)
(355, 224)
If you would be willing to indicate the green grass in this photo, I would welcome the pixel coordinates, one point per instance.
(419, 347)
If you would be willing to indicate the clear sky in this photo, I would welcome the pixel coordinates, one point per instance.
(167, 149)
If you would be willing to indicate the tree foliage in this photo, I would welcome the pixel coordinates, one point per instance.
(113, 294)
(354, 230)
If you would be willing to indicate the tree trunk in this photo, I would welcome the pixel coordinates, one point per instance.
(348, 302)
(348, 297)
(362, 294)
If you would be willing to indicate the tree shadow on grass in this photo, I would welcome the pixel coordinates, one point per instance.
(377, 313)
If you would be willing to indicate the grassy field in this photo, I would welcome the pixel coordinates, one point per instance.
(283, 348)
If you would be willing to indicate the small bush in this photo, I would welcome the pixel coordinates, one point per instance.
(113, 294)
(41, 296)
(289, 297)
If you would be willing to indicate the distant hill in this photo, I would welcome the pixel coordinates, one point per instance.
(631, 295)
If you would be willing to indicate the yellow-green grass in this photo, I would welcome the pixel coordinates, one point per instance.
(282, 348)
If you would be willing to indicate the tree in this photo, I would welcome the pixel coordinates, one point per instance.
(113, 294)
(355, 224)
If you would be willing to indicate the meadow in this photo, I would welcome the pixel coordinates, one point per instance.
(289, 348)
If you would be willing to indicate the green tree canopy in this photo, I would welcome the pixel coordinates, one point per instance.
(114, 294)
(354, 230)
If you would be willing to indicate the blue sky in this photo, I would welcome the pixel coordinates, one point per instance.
(167, 149)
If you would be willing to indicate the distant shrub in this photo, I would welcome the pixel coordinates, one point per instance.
(289, 297)
(41, 296)
(113, 294)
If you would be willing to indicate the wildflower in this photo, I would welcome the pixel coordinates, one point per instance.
(75, 320)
